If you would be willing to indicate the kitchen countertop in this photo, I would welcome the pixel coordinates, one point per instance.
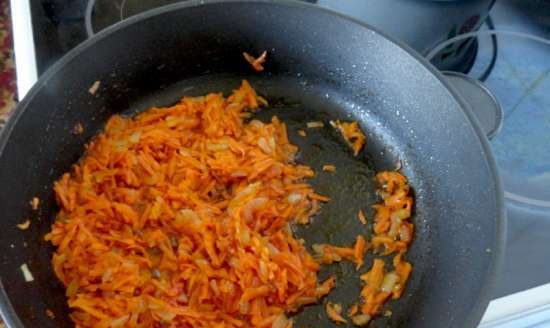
(520, 81)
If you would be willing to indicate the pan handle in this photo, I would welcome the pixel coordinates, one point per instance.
(482, 103)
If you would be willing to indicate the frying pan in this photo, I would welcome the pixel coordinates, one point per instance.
(321, 66)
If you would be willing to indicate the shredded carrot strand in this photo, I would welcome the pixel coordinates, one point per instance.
(329, 168)
(327, 254)
(334, 312)
(256, 63)
(361, 216)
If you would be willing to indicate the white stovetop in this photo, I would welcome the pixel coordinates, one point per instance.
(23, 41)
(530, 308)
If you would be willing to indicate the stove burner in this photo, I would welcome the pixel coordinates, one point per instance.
(101, 14)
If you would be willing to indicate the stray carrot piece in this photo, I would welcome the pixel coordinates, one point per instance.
(95, 86)
(361, 217)
(27, 274)
(78, 129)
(256, 63)
(320, 198)
(398, 166)
(50, 314)
(315, 124)
(329, 168)
(326, 286)
(24, 225)
(352, 134)
(35, 202)
(327, 254)
(302, 133)
(334, 312)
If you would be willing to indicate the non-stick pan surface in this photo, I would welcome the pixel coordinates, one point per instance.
(321, 66)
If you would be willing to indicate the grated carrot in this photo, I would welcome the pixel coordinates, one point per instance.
(393, 232)
(178, 215)
(392, 227)
(371, 293)
(182, 215)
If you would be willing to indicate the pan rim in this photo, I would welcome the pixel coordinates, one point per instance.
(9, 315)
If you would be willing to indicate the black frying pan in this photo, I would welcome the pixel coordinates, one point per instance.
(321, 66)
